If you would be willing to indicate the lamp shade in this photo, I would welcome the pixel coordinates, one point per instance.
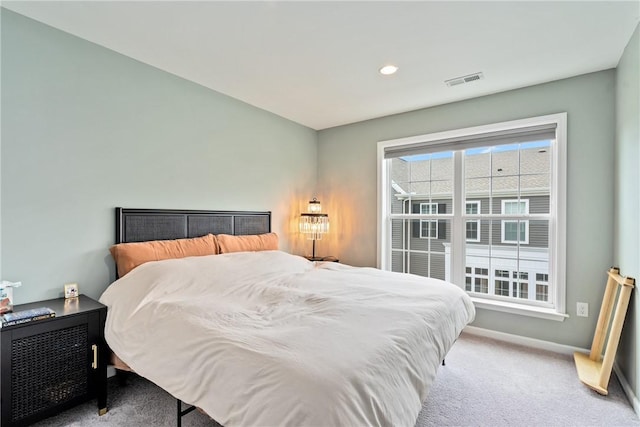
(314, 225)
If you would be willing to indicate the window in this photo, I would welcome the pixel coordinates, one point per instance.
(487, 210)
(428, 228)
(520, 285)
(542, 287)
(502, 283)
(428, 208)
(473, 226)
(481, 280)
(515, 231)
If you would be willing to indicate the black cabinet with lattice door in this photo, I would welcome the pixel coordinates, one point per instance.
(47, 366)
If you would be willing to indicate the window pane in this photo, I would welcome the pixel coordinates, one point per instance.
(399, 183)
(504, 185)
(542, 277)
(473, 231)
(399, 233)
(477, 187)
(428, 229)
(413, 251)
(473, 208)
(535, 173)
(477, 163)
(398, 261)
(539, 235)
(427, 264)
(481, 285)
(419, 263)
(520, 290)
(542, 292)
(502, 288)
(510, 231)
(502, 273)
(515, 232)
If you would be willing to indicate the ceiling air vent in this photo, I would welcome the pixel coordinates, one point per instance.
(464, 79)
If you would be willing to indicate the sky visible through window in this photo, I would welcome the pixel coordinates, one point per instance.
(481, 150)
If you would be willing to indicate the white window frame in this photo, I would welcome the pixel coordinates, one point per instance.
(557, 217)
(503, 227)
(479, 205)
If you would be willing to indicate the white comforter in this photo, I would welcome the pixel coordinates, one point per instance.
(271, 339)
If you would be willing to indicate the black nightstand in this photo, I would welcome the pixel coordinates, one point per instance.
(47, 366)
(323, 258)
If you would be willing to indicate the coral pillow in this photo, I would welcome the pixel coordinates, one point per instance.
(251, 243)
(130, 255)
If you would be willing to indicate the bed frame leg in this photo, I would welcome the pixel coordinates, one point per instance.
(443, 362)
(181, 412)
(122, 377)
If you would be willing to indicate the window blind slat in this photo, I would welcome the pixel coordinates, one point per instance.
(511, 136)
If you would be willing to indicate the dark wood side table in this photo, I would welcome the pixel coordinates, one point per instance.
(323, 258)
(47, 366)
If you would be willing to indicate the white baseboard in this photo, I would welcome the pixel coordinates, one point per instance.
(633, 399)
(555, 347)
(526, 341)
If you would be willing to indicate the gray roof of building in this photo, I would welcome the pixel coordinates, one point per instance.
(510, 172)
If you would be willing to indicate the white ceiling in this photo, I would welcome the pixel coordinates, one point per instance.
(316, 63)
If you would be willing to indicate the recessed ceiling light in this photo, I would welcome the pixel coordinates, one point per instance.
(387, 70)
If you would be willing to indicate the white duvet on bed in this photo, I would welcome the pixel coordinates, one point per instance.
(271, 339)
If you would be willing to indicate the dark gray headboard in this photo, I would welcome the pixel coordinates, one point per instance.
(141, 225)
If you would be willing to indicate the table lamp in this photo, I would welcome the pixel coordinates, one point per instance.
(314, 224)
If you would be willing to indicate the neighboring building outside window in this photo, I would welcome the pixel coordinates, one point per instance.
(510, 180)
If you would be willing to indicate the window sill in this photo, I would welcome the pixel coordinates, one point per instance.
(541, 313)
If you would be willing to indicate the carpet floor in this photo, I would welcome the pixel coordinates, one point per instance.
(484, 383)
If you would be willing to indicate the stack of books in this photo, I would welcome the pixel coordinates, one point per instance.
(25, 316)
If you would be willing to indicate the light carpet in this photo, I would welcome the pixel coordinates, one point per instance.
(484, 383)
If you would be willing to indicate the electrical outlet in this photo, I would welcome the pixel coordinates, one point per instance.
(582, 309)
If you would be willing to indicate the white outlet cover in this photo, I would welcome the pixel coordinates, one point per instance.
(582, 309)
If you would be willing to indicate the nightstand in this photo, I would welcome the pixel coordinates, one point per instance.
(47, 366)
(323, 258)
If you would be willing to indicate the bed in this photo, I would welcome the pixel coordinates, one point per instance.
(263, 337)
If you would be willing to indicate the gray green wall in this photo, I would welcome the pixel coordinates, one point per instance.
(627, 199)
(85, 129)
(348, 175)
